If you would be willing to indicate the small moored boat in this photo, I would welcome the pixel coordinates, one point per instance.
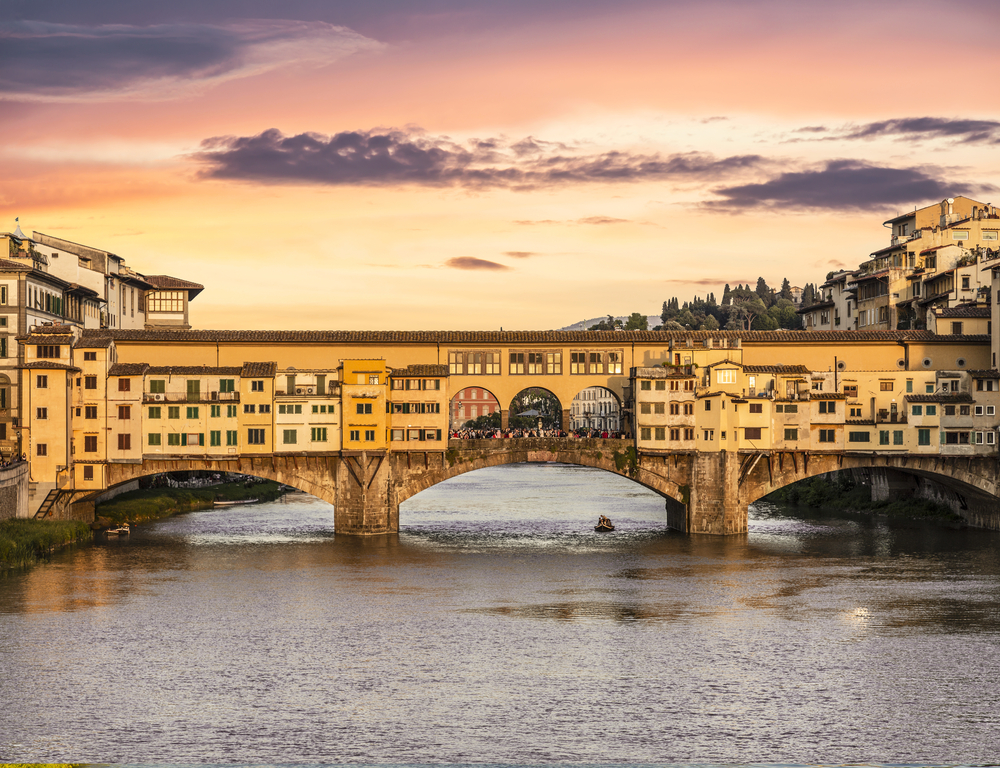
(235, 502)
(121, 530)
(604, 525)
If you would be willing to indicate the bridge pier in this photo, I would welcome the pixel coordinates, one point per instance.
(365, 501)
(715, 505)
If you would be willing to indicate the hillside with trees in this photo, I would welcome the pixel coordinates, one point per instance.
(742, 308)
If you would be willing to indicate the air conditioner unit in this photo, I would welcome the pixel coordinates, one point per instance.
(157, 396)
(310, 390)
(300, 390)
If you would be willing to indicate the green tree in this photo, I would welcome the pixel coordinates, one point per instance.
(637, 322)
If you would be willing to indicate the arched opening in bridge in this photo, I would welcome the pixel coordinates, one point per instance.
(535, 408)
(534, 502)
(595, 409)
(475, 408)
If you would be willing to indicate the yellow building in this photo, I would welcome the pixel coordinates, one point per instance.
(364, 393)
(419, 398)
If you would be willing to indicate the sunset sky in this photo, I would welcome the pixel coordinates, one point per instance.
(487, 163)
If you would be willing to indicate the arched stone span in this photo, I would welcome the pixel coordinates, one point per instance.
(616, 456)
(972, 479)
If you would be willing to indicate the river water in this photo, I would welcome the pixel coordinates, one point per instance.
(497, 627)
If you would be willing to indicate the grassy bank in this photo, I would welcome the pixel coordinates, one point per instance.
(154, 503)
(820, 493)
(25, 542)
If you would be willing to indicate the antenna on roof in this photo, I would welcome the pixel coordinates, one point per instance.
(17, 228)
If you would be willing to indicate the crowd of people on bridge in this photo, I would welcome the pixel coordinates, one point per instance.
(493, 434)
(12, 459)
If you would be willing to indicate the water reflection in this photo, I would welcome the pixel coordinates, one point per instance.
(498, 626)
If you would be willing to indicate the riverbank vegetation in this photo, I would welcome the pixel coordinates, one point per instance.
(841, 492)
(155, 503)
(24, 542)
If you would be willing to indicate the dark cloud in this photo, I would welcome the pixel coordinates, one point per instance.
(520, 254)
(844, 185)
(965, 131)
(411, 157)
(471, 262)
(48, 61)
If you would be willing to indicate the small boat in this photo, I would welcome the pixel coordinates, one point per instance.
(121, 530)
(235, 502)
(604, 525)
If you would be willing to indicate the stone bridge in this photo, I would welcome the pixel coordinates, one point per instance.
(705, 492)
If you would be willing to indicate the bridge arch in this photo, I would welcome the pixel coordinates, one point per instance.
(533, 404)
(596, 407)
(615, 456)
(968, 484)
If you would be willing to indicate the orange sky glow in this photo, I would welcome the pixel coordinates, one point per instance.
(477, 166)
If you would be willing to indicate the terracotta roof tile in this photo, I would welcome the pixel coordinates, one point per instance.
(966, 311)
(420, 370)
(258, 370)
(985, 374)
(128, 369)
(940, 397)
(799, 369)
(93, 342)
(827, 396)
(48, 365)
(193, 370)
(47, 338)
(168, 283)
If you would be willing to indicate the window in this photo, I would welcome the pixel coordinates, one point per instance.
(249, 408)
(827, 436)
(662, 385)
(644, 408)
(231, 411)
(990, 410)
(227, 385)
(752, 433)
(675, 409)
(364, 408)
(855, 413)
(708, 405)
(124, 385)
(290, 436)
(124, 412)
(923, 437)
(231, 437)
(165, 301)
(396, 434)
(157, 386)
(883, 437)
(356, 435)
(596, 364)
(689, 409)
(319, 434)
(756, 407)
(124, 442)
(90, 443)
(929, 389)
(827, 406)
(173, 439)
(791, 434)
(660, 433)
(897, 437)
(215, 437)
(264, 408)
(960, 235)
(373, 378)
(885, 386)
(90, 382)
(255, 436)
(536, 362)
(41, 413)
(192, 412)
(369, 435)
(47, 351)
(516, 363)
(956, 329)
(257, 386)
(858, 437)
(90, 412)
(725, 377)
(41, 382)
(614, 362)
(659, 407)
(675, 434)
(963, 410)
(42, 449)
(646, 386)
(215, 411)
(153, 438)
(173, 412)
(956, 438)
(88, 473)
(645, 433)
(931, 410)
